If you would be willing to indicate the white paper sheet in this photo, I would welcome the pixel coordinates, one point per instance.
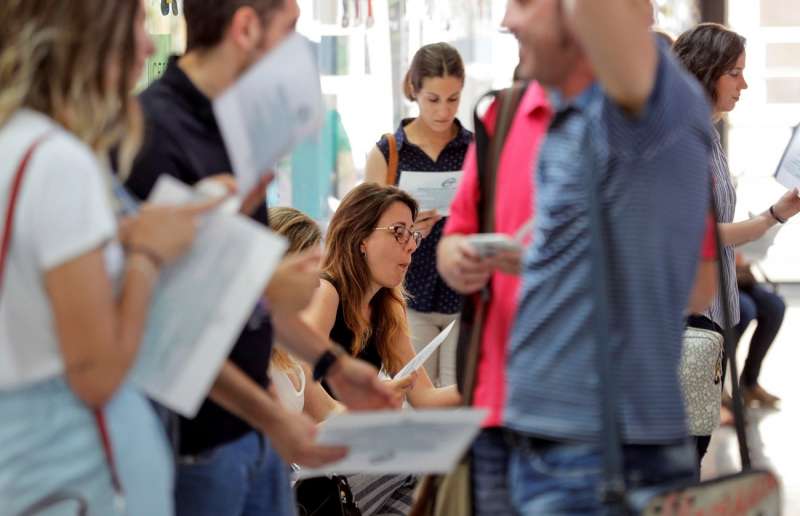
(432, 190)
(270, 109)
(788, 172)
(426, 352)
(202, 302)
(399, 442)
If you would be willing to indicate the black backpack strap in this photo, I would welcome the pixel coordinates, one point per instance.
(488, 151)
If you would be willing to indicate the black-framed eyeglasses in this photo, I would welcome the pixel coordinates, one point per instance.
(402, 234)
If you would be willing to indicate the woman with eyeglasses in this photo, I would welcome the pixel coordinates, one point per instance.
(361, 302)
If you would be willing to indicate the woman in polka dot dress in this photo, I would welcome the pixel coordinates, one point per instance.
(433, 142)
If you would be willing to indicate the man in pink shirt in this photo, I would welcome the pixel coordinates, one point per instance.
(464, 271)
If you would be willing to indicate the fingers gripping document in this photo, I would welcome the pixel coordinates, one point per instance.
(275, 104)
(403, 442)
(202, 302)
(421, 357)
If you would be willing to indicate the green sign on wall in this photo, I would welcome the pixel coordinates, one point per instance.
(157, 63)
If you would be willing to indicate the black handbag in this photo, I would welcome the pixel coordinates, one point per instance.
(325, 496)
(749, 492)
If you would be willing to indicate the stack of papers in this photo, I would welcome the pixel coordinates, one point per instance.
(404, 442)
(202, 302)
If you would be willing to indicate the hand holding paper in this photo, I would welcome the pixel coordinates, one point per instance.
(401, 386)
(406, 442)
(357, 385)
(202, 302)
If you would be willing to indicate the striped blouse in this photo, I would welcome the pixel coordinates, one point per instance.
(725, 200)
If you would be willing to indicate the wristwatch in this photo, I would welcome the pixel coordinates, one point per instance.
(324, 363)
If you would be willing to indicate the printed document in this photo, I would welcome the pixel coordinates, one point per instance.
(421, 357)
(202, 302)
(788, 173)
(432, 190)
(274, 105)
(398, 442)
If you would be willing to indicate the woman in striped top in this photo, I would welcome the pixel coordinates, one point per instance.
(716, 56)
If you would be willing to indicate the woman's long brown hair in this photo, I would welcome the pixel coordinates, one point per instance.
(353, 222)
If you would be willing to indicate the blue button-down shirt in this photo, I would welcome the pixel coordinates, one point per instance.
(654, 191)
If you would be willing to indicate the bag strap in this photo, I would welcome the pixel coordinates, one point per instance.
(487, 157)
(613, 485)
(16, 185)
(489, 150)
(394, 159)
(5, 245)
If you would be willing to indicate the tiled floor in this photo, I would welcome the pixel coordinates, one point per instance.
(774, 436)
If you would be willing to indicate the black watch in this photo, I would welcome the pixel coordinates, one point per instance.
(326, 361)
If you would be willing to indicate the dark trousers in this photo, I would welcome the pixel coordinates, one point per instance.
(767, 309)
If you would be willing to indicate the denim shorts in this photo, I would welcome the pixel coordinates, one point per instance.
(50, 449)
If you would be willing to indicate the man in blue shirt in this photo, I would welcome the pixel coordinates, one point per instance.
(633, 127)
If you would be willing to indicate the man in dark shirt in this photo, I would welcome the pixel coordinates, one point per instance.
(226, 465)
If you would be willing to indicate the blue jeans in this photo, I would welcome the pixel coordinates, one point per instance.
(557, 478)
(490, 454)
(243, 478)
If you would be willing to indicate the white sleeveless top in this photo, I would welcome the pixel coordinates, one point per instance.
(291, 398)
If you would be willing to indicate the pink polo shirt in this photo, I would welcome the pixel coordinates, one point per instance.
(513, 208)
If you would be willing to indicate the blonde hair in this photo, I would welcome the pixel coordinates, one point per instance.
(56, 57)
(302, 233)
